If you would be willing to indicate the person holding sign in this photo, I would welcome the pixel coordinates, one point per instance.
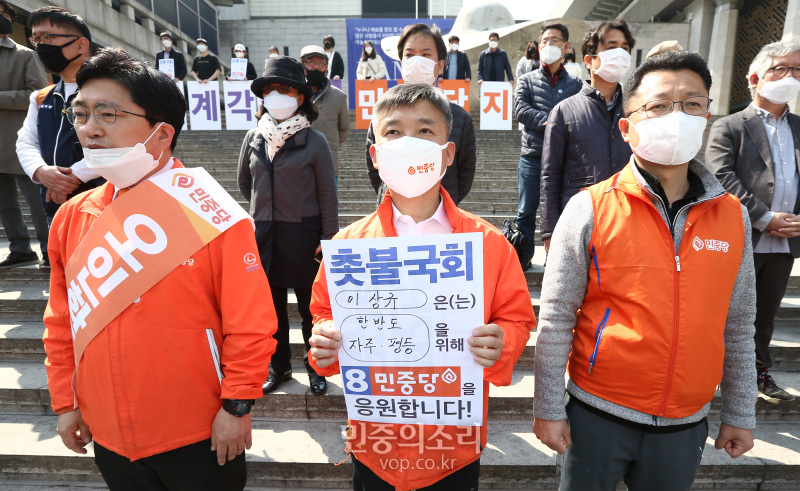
(157, 333)
(249, 73)
(371, 65)
(412, 124)
(422, 51)
(177, 72)
(286, 173)
(648, 301)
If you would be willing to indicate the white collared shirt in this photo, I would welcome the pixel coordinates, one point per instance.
(407, 227)
(168, 166)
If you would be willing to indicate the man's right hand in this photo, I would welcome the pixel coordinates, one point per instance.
(325, 342)
(73, 431)
(784, 225)
(59, 179)
(554, 434)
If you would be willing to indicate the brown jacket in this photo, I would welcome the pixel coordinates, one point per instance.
(22, 73)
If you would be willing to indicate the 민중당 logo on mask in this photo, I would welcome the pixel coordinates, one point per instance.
(614, 63)
(670, 140)
(780, 91)
(280, 106)
(123, 166)
(409, 166)
(52, 57)
(418, 69)
(550, 54)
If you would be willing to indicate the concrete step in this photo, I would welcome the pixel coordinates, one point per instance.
(23, 389)
(287, 454)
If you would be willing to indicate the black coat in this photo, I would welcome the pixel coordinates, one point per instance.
(463, 70)
(180, 61)
(337, 65)
(582, 146)
(501, 64)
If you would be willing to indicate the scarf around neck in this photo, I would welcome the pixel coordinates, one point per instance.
(276, 135)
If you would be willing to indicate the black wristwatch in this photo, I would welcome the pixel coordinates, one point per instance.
(238, 407)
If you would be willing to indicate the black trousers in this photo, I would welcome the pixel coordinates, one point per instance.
(281, 360)
(464, 479)
(190, 468)
(772, 275)
(11, 215)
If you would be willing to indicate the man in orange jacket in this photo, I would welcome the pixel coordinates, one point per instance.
(158, 329)
(412, 123)
(649, 298)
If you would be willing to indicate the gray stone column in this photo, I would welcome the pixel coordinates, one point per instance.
(702, 12)
(791, 30)
(128, 11)
(720, 56)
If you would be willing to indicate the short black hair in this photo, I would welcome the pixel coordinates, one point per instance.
(405, 95)
(453, 38)
(557, 25)
(671, 61)
(60, 17)
(330, 39)
(150, 89)
(494, 35)
(432, 32)
(596, 35)
(8, 8)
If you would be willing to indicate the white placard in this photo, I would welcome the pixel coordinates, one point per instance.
(240, 106)
(167, 66)
(204, 105)
(405, 308)
(238, 68)
(497, 108)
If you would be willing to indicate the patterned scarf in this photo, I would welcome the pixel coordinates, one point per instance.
(277, 134)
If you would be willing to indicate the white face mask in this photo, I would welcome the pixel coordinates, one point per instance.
(409, 166)
(202, 48)
(122, 166)
(239, 54)
(167, 43)
(280, 106)
(670, 140)
(614, 63)
(493, 44)
(454, 47)
(780, 91)
(368, 50)
(550, 54)
(418, 69)
(274, 55)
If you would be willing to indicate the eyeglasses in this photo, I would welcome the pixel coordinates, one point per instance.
(48, 38)
(551, 42)
(315, 64)
(105, 115)
(282, 89)
(693, 106)
(780, 71)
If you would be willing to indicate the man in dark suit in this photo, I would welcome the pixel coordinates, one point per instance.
(169, 52)
(756, 155)
(335, 65)
(456, 63)
(493, 62)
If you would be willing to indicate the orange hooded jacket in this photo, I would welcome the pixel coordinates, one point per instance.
(507, 303)
(148, 382)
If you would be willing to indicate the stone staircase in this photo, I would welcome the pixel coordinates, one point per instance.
(298, 437)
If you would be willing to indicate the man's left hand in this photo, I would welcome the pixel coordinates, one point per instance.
(486, 344)
(230, 435)
(735, 441)
(57, 198)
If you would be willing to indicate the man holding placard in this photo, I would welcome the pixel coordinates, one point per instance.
(448, 312)
(171, 61)
(149, 354)
(241, 68)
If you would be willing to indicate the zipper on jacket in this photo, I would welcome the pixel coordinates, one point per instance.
(214, 353)
(598, 334)
(60, 125)
(674, 349)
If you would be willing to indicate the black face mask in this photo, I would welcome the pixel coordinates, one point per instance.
(52, 57)
(327, 45)
(531, 51)
(315, 76)
(6, 26)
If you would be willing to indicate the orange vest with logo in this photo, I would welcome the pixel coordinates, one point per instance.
(650, 333)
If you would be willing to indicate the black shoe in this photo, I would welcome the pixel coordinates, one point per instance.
(16, 259)
(319, 385)
(525, 262)
(45, 260)
(275, 379)
(769, 390)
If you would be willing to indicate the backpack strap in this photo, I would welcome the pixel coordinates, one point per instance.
(43, 93)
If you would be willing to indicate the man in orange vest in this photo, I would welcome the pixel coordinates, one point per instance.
(157, 332)
(412, 123)
(649, 301)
